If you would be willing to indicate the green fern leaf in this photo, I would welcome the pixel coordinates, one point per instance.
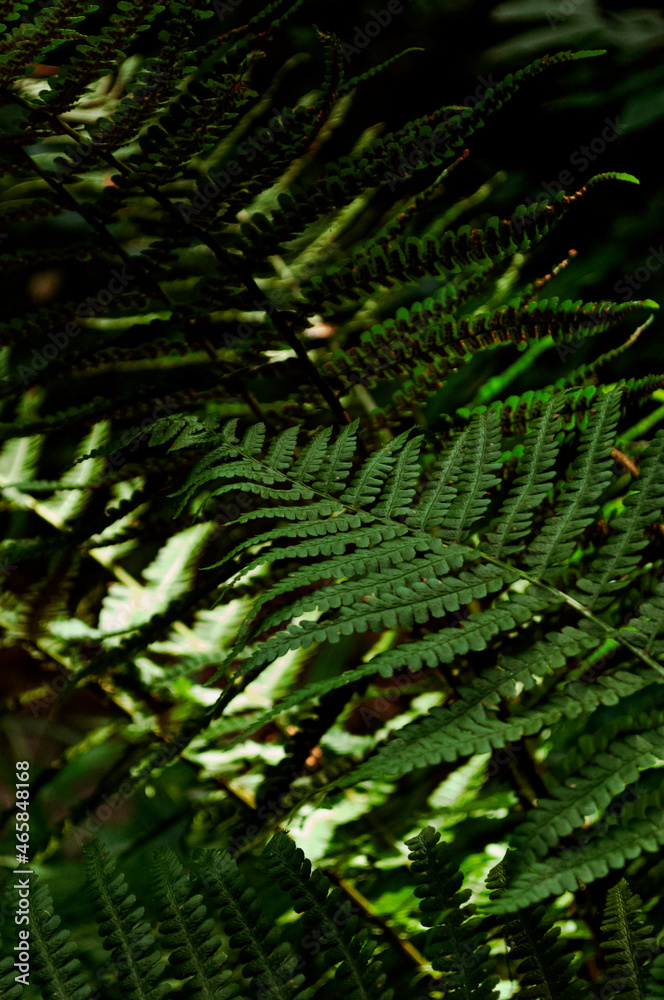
(531, 485)
(590, 474)
(590, 791)
(186, 929)
(57, 966)
(359, 974)
(455, 944)
(627, 942)
(544, 970)
(609, 572)
(476, 477)
(127, 935)
(268, 960)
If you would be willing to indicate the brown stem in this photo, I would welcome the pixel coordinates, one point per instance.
(370, 914)
(524, 777)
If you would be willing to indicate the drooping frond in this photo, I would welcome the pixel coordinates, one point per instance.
(311, 491)
(359, 974)
(590, 791)
(455, 945)
(638, 828)
(544, 968)
(627, 945)
(195, 954)
(58, 967)
(377, 265)
(127, 935)
(267, 959)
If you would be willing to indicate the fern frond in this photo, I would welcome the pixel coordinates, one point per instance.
(468, 727)
(9, 988)
(268, 960)
(609, 571)
(531, 485)
(387, 152)
(58, 968)
(455, 944)
(107, 45)
(627, 942)
(359, 974)
(168, 577)
(590, 473)
(590, 791)
(403, 596)
(376, 266)
(639, 828)
(490, 563)
(544, 970)
(194, 954)
(645, 629)
(127, 935)
(476, 476)
(374, 71)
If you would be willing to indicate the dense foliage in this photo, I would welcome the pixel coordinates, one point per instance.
(303, 557)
